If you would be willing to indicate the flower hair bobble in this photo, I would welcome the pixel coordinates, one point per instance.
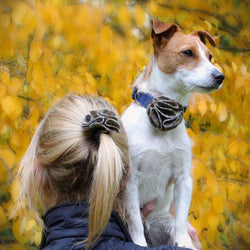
(164, 113)
(100, 121)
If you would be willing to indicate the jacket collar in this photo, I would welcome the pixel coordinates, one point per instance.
(69, 221)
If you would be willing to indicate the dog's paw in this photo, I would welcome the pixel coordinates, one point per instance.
(141, 242)
(184, 240)
(137, 235)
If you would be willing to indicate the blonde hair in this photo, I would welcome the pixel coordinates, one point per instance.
(63, 163)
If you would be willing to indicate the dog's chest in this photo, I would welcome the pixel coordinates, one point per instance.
(158, 162)
(156, 156)
(151, 149)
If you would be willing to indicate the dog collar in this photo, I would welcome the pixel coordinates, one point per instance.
(141, 97)
(163, 113)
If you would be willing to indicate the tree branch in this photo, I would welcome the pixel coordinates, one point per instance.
(224, 25)
(234, 49)
(26, 98)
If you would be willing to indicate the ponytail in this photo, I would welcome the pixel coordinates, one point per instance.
(105, 186)
(79, 152)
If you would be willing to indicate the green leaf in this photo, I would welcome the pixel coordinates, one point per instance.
(224, 238)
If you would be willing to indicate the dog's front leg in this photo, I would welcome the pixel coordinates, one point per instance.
(135, 224)
(182, 200)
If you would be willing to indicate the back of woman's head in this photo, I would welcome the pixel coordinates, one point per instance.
(79, 152)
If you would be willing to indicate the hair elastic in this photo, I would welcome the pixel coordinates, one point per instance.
(101, 121)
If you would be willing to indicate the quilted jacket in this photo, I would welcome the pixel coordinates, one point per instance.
(67, 225)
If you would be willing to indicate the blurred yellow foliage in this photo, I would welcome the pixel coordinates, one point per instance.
(49, 48)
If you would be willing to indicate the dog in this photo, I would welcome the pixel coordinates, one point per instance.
(159, 146)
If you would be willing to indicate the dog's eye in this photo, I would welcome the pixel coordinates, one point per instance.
(188, 53)
(210, 57)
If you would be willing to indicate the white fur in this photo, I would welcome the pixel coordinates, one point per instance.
(158, 156)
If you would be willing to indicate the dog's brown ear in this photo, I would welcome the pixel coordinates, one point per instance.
(162, 30)
(203, 35)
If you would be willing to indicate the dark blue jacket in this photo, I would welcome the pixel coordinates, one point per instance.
(67, 224)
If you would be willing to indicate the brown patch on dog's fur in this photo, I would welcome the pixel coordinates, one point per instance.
(169, 43)
(171, 57)
(203, 35)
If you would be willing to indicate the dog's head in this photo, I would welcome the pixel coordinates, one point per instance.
(185, 58)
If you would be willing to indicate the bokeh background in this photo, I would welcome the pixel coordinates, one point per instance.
(49, 48)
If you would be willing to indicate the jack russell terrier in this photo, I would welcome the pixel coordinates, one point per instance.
(159, 146)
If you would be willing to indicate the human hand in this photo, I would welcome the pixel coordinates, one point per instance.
(148, 209)
(194, 236)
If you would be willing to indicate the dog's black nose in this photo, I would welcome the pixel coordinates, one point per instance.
(219, 77)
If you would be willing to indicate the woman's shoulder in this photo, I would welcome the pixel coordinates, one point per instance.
(67, 225)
